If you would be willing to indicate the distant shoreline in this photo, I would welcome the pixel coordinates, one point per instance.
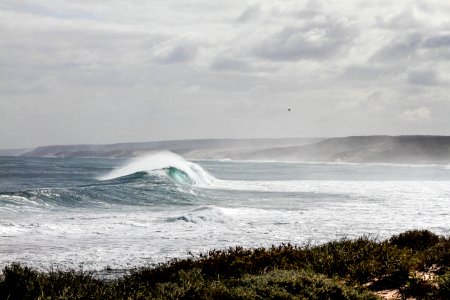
(407, 149)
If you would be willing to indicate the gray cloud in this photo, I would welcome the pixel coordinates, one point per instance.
(423, 77)
(249, 13)
(399, 48)
(405, 20)
(365, 72)
(48, 11)
(441, 41)
(177, 54)
(422, 113)
(229, 64)
(315, 41)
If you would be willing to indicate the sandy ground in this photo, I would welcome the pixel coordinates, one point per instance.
(389, 294)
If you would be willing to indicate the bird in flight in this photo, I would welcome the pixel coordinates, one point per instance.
(289, 109)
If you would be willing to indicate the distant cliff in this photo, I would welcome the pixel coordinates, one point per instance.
(194, 149)
(371, 149)
(415, 149)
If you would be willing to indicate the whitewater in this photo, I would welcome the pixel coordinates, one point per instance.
(110, 215)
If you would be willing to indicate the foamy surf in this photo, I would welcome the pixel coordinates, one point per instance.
(203, 215)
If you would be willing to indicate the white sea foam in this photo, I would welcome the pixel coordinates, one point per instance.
(14, 202)
(163, 160)
(204, 214)
(356, 189)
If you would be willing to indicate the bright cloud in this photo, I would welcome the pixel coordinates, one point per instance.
(421, 113)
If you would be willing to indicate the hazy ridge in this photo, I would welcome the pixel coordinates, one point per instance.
(370, 149)
(200, 148)
(354, 149)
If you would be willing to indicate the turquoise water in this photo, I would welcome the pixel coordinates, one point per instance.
(117, 214)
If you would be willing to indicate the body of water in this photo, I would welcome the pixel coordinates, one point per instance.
(115, 214)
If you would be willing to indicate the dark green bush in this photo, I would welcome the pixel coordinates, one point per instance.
(415, 239)
(284, 284)
(419, 289)
(443, 290)
(19, 283)
(437, 257)
(361, 260)
(73, 285)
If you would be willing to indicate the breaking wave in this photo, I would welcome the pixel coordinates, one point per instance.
(165, 163)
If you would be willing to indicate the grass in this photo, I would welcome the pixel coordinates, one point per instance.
(345, 269)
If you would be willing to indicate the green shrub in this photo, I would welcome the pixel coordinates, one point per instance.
(437, 256)
(73, 285)
(19, 283)
(284, 284)
(362, 260)
(418, 288)
(444, 287)
(415, 239)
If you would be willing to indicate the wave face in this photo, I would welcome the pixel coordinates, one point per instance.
(138, 189)
(176, 167)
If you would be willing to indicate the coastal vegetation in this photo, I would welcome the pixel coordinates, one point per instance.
(414, 264)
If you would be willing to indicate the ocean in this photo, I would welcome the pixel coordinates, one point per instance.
(110, 215)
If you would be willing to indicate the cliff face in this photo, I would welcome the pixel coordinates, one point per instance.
(371, 149)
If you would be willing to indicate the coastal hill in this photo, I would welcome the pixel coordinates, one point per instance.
(368, 149)
(194, 149)
(415, 149)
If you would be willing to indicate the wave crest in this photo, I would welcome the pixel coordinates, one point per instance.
(170, 164)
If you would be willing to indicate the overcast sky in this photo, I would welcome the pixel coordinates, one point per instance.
(121, 71)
